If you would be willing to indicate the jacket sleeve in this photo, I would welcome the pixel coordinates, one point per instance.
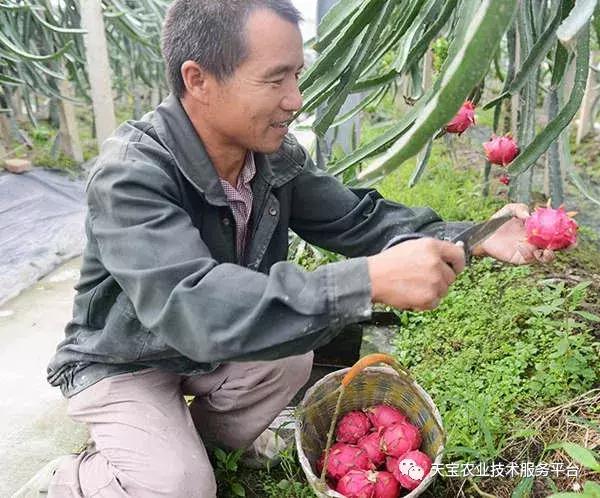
(356, 222)
(207, 311)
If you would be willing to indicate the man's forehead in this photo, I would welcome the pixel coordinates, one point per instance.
(274, 41)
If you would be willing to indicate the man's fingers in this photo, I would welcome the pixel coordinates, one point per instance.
(448, 274)
(531, 253)
(518, 210)
(544, 255)
(454, 255)
(521, 211)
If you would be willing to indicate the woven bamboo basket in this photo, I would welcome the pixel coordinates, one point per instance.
(362, 386)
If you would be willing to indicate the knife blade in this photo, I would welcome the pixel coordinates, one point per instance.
(479, 233)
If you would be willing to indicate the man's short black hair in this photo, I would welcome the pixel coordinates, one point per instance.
(212, 34)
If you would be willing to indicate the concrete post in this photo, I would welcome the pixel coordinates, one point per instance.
(69, 135)
(98, 68)
(17, 106)
(5, 134)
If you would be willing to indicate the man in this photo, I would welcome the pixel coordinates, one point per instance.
(184, 286)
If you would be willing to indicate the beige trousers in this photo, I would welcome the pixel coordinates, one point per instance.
(149, 443)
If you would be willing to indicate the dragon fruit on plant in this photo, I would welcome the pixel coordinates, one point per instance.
(352, 427)
(465, 117)
(549, 228)
(501, 150)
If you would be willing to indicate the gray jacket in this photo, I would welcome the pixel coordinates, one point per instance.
(160, 284)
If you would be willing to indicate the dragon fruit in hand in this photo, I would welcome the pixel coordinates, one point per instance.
(550, 228)
(352, 427)
(398, 439)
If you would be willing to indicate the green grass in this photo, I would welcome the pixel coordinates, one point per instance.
(502, 342)
(454, 193)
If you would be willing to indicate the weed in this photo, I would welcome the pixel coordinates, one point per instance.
(287, 481)
(226, 466)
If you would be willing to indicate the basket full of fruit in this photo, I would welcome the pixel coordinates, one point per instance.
(369, 432)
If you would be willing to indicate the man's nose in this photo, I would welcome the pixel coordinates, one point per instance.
(292, 102)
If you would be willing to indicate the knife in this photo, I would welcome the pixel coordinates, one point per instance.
(470, 238)
(479, 233)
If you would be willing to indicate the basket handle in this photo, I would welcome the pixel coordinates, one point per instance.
(369, 360)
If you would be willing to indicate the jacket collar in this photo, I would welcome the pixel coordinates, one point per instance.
(177, 133)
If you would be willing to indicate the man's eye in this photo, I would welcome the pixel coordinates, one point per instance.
(276, 82)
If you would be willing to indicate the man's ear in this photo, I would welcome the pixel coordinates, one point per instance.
(196, 81)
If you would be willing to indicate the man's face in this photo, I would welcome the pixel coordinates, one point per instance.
(252, 108)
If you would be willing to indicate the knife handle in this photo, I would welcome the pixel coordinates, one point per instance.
(467, 251)
(414, 236)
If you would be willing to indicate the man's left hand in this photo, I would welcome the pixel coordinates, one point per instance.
(509, 243)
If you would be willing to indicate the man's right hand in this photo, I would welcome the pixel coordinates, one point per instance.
(416, 274)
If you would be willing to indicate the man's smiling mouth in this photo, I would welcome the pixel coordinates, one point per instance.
(281, 124)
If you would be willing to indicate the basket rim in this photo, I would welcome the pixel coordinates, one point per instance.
(305, 464)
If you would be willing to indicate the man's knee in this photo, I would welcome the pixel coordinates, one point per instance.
(175, 475)
(189, 482)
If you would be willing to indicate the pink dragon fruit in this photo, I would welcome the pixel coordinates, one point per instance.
(410, 469)
(385, 415)
(398, 439)
(504, 179)
(357, 484)
(386, 485)
(345, 457)
(501, 150)
(465, 117)
(371, 443)
(550, 228)
(352, 427)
